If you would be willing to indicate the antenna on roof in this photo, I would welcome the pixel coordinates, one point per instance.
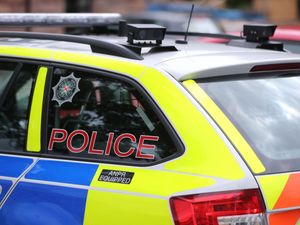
(187, 29)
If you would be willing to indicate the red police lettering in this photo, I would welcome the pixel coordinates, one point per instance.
(109, 143)
(54, 138)
(84, 144)
(92, 144)
(61, 135)
(117, 144)
(142, 145)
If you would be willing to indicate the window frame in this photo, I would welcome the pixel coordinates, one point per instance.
(177, 141)
(20, 63)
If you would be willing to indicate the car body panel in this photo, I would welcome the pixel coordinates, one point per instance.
(43, 187)
(166, 94)
(35, 203)
(242, 146)
(122, 208)
(281, 195)
(289, 217)
(5, 186)
(12, 168)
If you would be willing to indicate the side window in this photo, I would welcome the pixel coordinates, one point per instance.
(93, 116)
(16, 83)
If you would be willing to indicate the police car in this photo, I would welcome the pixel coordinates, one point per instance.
(141, 130)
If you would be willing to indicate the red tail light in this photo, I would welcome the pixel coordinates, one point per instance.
(227, 208)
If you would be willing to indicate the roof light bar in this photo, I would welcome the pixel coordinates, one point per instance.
(59, 19)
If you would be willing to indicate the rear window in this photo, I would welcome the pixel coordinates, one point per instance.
(265, 108)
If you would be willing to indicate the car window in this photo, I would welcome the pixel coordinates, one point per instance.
(15, 104)
(102, 118)
(266, 111)
(6, 71)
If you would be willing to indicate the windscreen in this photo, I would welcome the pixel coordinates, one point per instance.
(265, 108)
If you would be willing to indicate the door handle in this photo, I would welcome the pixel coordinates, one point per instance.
(0, 189)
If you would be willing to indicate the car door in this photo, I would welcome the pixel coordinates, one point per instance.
(92, 124)
(17, 82)
(36, 190)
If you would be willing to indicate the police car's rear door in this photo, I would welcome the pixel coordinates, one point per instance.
(18, 80)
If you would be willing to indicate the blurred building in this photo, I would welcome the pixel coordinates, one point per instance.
(279, 11)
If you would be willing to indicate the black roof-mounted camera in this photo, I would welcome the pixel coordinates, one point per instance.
(258, 33)
(257, 36)
(141, 36)
(145, 32)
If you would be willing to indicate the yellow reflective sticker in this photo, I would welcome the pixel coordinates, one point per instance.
(120, 208)
(145, 197)
(229, 129)
(125, 66)
(35, 119)
(120, 66)
(272, 186)
(37, 53)
(206, 153)
(150, 181)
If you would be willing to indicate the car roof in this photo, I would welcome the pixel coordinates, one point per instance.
(192, 61)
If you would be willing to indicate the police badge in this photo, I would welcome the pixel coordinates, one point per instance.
(65, 89)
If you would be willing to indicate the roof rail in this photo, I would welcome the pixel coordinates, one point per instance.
(97, 46)
(59, 19)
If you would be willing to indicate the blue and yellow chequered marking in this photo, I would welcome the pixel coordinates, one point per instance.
(147, 195)
(51, 187)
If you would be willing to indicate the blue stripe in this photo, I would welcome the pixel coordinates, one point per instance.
(13, 166)
(38, 204)
(5, 185)
(63, 172)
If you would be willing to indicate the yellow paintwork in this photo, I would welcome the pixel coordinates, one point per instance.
(202, 143)
(272, 186)
(32, 53)
(101, 206)
(206, 153)
(229, 129)
(126, 67)
(117, 208)
(35, 119)
(154, 182)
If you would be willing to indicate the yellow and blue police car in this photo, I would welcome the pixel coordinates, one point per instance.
(141, 130)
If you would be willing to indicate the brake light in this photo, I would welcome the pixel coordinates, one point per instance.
(272, 67)
(227, 208)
